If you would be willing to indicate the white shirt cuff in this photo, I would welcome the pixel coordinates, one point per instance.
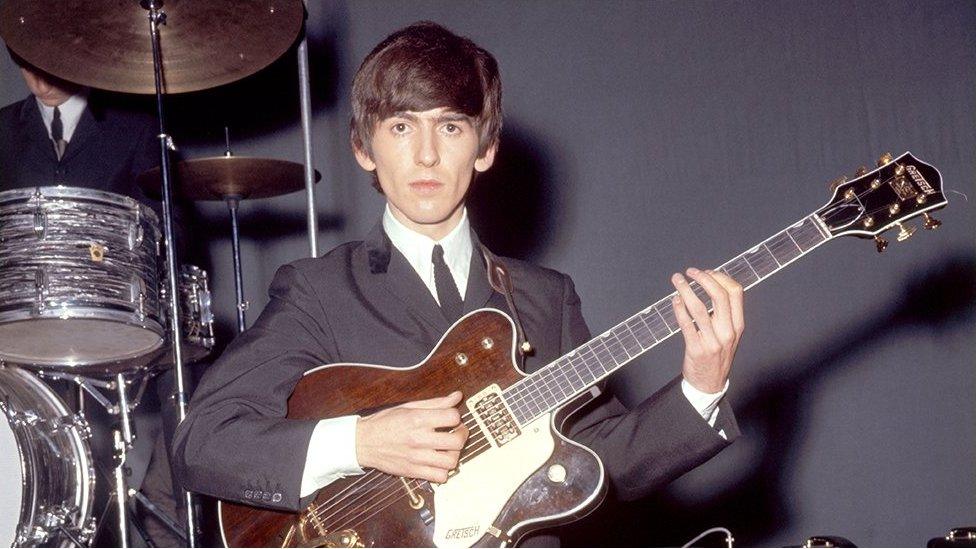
(704, 403)
(331, 453)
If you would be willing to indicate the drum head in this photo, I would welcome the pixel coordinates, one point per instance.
(11, 484)
(76, 341)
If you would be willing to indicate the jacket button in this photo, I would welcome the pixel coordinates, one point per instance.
(276, 498)
(248, 494)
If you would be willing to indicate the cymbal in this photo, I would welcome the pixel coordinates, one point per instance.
(105, 44)
(220, 177)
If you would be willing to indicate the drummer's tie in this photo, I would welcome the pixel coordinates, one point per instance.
(57, 134)
(447, 290)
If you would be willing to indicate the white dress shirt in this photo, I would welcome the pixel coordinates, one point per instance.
(70, 114)
(332, 449)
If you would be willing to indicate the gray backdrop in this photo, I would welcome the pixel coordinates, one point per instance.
(644, 137)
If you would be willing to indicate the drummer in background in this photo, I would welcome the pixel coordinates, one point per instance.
(65, 134)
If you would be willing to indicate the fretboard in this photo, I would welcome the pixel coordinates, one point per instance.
(575, 372)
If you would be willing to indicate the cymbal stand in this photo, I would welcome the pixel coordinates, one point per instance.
(156, 18)
(233, 201)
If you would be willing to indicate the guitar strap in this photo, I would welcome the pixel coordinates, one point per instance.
(501, 282)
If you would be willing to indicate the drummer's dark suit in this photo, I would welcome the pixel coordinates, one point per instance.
(362, 302)
(109, 148)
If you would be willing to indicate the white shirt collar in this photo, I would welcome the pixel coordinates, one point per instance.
(418, 248)
(70, 114)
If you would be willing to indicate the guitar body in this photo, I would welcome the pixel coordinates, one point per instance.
(505, 486)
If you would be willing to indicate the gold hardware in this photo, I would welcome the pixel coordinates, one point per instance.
(880, 243)
(860, 171)
(493, 530)
(97, 252)
(461, 359)
(885, 158)
(906, 232)
(416, 501)
(894, 208)
(899, 170)
(876, 183)
(526, 347)
(556, 473)
(487, 343)
(868, 222)
(920, 199)
(930, 222)
(836, 182)
(849, 195)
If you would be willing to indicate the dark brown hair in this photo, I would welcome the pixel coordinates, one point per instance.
(421, 67)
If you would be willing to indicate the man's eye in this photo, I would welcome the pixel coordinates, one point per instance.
(452, 128)
(399, 127)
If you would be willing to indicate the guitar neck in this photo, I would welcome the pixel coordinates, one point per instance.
(569, 376)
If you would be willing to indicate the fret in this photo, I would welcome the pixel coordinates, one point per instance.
(617, 349)
(571, 374)
(641, 331)
(628, 340)
(655, 322)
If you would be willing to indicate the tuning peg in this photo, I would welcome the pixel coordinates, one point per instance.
(905, 232)
(881, 243)
(931, 222)
(885, 158)
(860, 171)
(836, 182)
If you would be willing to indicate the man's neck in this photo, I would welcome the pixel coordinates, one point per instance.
(433, 231)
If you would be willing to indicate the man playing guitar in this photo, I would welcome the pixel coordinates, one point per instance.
(426, 119)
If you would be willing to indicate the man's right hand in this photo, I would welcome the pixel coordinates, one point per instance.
(420, 439)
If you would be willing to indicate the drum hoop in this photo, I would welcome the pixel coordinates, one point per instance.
(62, 191)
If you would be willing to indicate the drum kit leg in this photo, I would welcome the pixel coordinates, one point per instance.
(90, 289)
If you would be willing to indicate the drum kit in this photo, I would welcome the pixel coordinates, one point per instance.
(90, 289)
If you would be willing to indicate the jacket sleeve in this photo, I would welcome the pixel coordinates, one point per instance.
(649, 446)
(236, 443)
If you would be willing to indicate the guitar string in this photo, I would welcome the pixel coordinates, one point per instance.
(596, 352)
(472, 447)
(385, 483)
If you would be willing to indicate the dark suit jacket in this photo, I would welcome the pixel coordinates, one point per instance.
(110, 147)
(362, 302)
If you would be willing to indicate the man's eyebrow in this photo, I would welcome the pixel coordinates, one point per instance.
(449, 116)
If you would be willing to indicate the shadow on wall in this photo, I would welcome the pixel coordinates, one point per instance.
(514, 205)
(759, 507)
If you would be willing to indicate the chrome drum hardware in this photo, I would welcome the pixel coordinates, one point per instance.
(46, 475)
(79, 281)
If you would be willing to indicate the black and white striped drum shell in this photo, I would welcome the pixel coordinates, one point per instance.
(79, 279)
(47, 479)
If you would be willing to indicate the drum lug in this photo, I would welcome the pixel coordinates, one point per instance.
(135, 233)
(40, 288)
(40, 223)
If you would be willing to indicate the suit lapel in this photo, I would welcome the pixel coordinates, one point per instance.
(88, 127)
(401, 280)
(35, 130)
(479, 290)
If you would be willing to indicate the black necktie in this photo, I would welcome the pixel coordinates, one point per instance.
(57, 133)
(447, 292)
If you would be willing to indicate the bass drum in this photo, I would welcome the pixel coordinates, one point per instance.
(78, 279)
(47, 480)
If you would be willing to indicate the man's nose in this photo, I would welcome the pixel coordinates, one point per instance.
(427, 154)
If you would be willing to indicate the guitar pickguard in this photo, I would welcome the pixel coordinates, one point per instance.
(469, 502)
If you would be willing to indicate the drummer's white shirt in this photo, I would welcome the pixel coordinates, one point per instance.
(70, 114)
(331, 452)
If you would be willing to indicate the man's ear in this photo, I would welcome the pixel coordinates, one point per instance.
(483, 162)
(364, 159)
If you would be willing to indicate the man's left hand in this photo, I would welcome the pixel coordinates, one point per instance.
(710, 339)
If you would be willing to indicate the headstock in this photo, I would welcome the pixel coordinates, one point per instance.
(886, 197)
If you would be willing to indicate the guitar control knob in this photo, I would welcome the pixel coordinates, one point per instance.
(885, 158)
(906, 232)
(881, 244)
(931, 222)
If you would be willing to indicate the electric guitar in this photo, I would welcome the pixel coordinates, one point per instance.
(517, 473)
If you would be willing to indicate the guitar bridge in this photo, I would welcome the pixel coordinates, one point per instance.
(493, 415)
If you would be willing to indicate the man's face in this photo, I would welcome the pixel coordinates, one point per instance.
(424, 162)
(49, 90)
